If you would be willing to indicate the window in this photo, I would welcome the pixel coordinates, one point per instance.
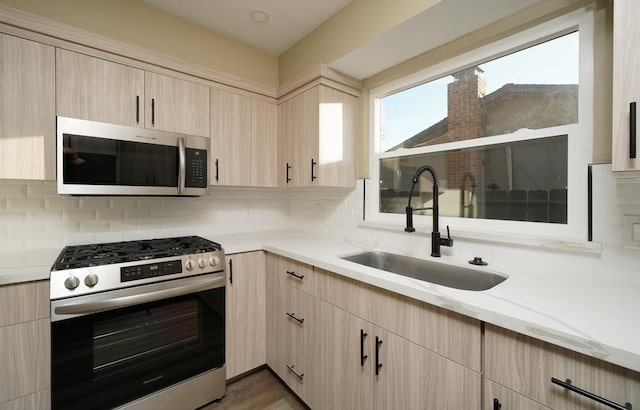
(506, 128)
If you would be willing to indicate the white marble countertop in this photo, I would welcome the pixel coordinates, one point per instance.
(590, 317)
(27, 265)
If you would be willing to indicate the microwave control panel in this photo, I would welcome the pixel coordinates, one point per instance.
(196, 168)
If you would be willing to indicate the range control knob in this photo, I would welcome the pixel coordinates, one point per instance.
(71, 282)
(189, 265)
(213, 261)
(91, 279)
(202, 264)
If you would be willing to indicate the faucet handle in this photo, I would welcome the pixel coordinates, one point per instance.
(447, 242)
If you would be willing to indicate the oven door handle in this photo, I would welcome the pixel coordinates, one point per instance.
(82, 308)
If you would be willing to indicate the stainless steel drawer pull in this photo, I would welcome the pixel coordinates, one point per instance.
(293, 316)
(293, 273)
(300, 376)
(567, 385)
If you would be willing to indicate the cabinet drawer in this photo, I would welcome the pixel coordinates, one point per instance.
(296, 314)
(298, 275)
(526, 366)
(444, 332)
(507, 399)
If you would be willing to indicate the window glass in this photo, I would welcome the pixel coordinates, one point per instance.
(533, 88)
(521, 181)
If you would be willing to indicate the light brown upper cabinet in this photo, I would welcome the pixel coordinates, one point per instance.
(243, 140)
(626, 85)
(316, 139)
(93, 89)
(27, 111)
(176, 105)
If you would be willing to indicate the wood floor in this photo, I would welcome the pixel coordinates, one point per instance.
(261, 390)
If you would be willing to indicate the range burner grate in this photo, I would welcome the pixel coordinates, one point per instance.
(82, 256)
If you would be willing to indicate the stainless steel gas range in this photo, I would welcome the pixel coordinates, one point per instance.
(138, 325)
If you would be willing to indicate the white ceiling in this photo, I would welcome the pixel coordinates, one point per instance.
(290, 20)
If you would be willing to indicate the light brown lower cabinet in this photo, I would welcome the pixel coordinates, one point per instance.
(25, 346)
(525, 366)
(245, 312)
(358, 365)
(334, 359)
(37, 401)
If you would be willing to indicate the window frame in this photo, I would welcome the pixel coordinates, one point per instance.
(580, 135)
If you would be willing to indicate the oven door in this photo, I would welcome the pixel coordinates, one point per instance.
(104, 356)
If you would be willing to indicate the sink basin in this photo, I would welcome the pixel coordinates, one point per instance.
(433, 272)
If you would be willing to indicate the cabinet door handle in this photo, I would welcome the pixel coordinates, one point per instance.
(217, 170)
(378, 364)
(496, 404)
(293, 316)
(288, 168)
(153, 111)
(300, 376)
(230, 270)
(632, 130)
(137, 109)
(313, 164)
(293, 273)
(567, 385)
(363, 356)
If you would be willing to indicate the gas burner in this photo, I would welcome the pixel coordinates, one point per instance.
(81, 256)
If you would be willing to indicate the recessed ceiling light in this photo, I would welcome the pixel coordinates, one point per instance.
(259, 16)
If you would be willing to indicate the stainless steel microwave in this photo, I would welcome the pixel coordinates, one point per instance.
(95, 158)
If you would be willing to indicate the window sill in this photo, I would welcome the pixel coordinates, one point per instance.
(553, 244)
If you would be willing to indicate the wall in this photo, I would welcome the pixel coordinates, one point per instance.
(33, 216)
(353, 26)
(137, 23)
(339, 213)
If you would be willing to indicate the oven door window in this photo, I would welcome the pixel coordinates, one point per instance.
(108, 359)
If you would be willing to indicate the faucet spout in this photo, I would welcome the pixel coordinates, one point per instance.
(436, 240)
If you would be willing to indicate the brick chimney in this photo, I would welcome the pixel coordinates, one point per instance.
(465, 120)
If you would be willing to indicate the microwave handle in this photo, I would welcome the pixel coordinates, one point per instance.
(182, 165)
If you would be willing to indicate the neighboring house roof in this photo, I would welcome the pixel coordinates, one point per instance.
(510, 108)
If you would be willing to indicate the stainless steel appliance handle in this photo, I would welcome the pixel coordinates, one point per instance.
(136, 299)
(182, 165)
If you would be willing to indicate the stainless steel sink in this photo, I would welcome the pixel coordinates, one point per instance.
(457, 277)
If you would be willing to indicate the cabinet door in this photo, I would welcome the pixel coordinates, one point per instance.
(245, 312)
(230, 139)
(340, 378)
(626, 81)
(176, 105)
(298, 138)
(526, 366)
(412, 377)
(335, 150)
(98, 90)
(27, 110)
(264, 143)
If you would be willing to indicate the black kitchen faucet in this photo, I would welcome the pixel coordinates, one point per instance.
(436, 240)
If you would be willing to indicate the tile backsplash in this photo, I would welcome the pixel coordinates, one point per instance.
(33, 216)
